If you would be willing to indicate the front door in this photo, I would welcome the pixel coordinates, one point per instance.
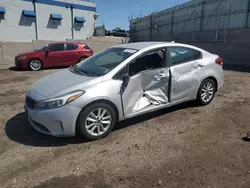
(55, 56)
(184, 68)
(148, 83)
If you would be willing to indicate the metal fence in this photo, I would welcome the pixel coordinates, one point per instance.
(191, 19)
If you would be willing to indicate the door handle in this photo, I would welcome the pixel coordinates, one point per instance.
(199, 66)
(160, 77)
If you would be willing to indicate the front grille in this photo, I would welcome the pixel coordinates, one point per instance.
(30, 102)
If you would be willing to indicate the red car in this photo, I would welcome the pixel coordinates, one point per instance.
(54, 55)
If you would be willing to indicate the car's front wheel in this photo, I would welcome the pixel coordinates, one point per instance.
(35, 65)
(96, 121)
(206, 92)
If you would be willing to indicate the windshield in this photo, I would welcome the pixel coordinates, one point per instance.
(103, 62)
(43, 48)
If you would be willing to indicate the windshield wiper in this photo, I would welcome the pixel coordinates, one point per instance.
(77, 69)
(88, 73)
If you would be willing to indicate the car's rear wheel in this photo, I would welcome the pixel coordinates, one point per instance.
(83, 58)
(96, 121)
(35, 65)
(206, 92)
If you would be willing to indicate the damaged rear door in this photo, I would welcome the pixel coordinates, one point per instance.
(148, 83)
(185, 64)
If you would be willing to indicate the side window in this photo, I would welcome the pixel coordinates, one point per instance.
(57, 47)
(181, 55)
(72, 46)
(151, 60)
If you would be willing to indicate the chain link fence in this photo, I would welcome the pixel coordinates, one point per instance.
(200, 20)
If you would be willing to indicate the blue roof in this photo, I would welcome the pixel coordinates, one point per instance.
(64, 4)
(79, 19)
(2, 10)
(56, 16)
(29, 13)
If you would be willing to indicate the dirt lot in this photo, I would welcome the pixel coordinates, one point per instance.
(184, 146)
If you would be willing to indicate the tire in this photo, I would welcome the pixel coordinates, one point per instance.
(97, 129)
(206, 92)
(83, 58)
(35, 64)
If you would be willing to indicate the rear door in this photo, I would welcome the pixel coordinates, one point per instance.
(71, 54)
(148, 83)
(55, 57)
(185, 64)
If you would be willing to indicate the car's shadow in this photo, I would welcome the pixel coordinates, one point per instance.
(19, 130)
(13, 68)
(148, 116)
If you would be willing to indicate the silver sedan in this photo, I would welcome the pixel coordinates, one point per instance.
(121, 82)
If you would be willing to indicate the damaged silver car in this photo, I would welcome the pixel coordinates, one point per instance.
(121, 82)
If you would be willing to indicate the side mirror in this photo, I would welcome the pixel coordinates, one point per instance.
(125, 80)
(47, 50)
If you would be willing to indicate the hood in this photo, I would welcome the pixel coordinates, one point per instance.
(62, 82)
(27, 53)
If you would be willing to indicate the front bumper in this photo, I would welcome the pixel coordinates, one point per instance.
(21, 64)
(56, 122)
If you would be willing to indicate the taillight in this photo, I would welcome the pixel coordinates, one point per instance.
(219, 61)
(86, 47)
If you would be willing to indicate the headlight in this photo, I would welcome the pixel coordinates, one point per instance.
(22, 57)
(60, 100)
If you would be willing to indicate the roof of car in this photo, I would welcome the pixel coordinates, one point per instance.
(139, 45)
(66, 42)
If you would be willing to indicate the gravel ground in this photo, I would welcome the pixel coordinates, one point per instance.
(183, 146)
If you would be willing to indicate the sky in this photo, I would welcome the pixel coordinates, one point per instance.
(116, 13)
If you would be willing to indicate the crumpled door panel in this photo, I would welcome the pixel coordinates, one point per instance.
(185, 82)
(145, 89)
(156, 96)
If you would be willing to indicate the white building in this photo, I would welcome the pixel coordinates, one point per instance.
(27, 20)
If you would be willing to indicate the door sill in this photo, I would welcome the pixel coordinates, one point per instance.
(156, 108)
(148, 109)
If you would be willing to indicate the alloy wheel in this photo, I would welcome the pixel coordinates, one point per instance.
(35, 64)
(98, 121)
(207, 92)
